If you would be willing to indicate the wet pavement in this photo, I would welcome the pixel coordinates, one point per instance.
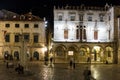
(39, 71)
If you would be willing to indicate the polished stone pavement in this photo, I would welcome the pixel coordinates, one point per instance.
(39, 71)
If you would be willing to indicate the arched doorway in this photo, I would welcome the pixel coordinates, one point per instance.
(16, 55)
(97, 54)
(60, 55)
(84, 53)
(109, 54)
(72, 53)
(6, 55)
(36, 55)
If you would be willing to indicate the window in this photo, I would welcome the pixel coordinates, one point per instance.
(60, 16)
(16, 38)
(77, 32)
(17, 25)
(72, 16)
(7, 38)
(26, 37)
(81, 17)
(36, 38)
(90, 16)
(109, 16)
(101, 17)
(7, 25)
(26, 25)
(66, 34)
(35, 25)
(95, 35)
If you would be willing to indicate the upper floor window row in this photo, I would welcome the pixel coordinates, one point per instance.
(90, 16)
(7, 25)
(17, 38)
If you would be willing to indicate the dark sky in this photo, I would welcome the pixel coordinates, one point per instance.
(43, 8)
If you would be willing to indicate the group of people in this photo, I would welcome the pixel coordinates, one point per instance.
(19, 69)
(49, 61)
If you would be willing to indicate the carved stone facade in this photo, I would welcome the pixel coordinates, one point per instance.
(81, 32)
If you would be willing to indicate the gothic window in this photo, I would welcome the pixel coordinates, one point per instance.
(81, 33)
(66, 34)
(84, 33)
(77, 32)
(95, 35)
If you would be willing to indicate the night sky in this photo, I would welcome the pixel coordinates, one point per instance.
(43, 8)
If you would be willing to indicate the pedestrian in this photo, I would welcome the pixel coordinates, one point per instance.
(51, 62)
(71, 63)
(74, 65)
(46, 60)
(88, 60)
(87, 74)
(106, 62)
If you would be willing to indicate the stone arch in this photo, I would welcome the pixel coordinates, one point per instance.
(109, 54)
(16, 55)
(6, 55)
(84, 53)
(36, 55)
(60, 53)
(72, 52)
(97, 54)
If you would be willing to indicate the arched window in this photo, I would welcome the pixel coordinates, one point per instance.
(36, 55)
(16, 55)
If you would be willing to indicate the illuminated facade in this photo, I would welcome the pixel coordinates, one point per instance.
(81, 32)
(16, 28)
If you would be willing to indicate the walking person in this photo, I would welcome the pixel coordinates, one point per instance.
(71, 63)
(88, 59)
(87, 74)
(74, 65)
(51, 60)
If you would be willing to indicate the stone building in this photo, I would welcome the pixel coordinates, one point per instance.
(86, 32)
(21, 36)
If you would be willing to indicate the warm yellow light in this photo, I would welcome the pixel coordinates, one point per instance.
(45, 48)
(97, 48)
